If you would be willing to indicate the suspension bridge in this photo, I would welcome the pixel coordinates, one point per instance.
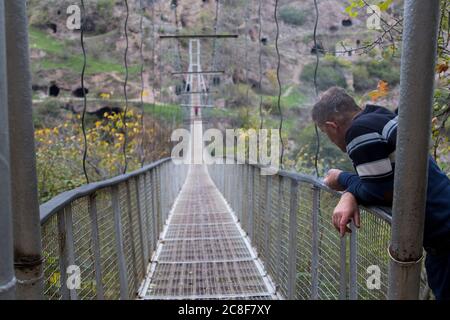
(185, 231)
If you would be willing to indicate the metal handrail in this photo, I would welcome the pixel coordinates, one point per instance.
(60, 201)
(98, 239)
(287, 217)
(383, 212)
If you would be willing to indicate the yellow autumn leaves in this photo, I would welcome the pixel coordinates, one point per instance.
(59, 151)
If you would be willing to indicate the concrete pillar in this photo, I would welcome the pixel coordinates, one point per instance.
(25, 206)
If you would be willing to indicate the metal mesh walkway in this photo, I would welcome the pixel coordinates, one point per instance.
(203, 252)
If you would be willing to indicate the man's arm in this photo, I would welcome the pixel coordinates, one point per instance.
(346, 211)
(367, 192)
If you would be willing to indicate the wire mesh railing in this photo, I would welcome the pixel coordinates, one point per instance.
(105, 233)
(288, 219)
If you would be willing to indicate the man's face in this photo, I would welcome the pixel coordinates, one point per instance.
(335, 133)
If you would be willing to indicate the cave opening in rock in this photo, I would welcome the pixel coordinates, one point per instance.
(79, 92)
(347, 22)
(216, 81)
(53, 90)
(53, 27)
(334, 28)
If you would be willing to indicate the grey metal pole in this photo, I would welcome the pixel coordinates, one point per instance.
(7, 278)
(416, 94)
(25, 206)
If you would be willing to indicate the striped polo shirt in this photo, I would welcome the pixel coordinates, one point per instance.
(371, 142)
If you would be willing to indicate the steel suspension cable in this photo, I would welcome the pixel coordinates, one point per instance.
(125, 90)
(141, 53)
(214, 49)
(83, 116)
(177, 32)
(247, 18)
(153, 74)
(280, 129)
(160, 67)
(261, 118)
(316, 69)
(216, 23)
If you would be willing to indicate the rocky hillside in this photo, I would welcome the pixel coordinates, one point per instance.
(57, 60)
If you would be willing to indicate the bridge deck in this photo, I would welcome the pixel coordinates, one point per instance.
(203, 252)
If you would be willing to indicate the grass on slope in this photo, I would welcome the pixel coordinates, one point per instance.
(57, 57)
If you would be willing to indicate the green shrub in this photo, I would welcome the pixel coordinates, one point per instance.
(293, 16)
(362, 81)
(47, 113)
(328, 75)
(386, 70)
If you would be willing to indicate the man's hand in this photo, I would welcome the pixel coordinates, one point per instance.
(331, 180)
(346, 211)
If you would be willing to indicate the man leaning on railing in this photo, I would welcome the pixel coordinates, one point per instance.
(369, 138)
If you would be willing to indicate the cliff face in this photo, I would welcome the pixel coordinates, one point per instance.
(56, 51)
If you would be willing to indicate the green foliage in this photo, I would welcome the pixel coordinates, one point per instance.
(355, 5)
(105, 8)
(59, 152)
(328, 75)
(167, 112)
(60, 58)
(386, 70)
(329, 157)
(293, 16)
(48, 112)
(362, 81)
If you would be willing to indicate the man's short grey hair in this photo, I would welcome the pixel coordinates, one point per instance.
(334, 105)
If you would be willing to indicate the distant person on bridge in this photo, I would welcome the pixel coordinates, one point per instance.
(369, 138)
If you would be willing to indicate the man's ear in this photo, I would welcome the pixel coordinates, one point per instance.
(331, 124)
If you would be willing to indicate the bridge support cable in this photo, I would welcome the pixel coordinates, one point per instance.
(260, 22)
(28, 258)
(153, 72)
(142, 149)
(125, 89)
(316, 69)
(412, 152)
(83, 90)
(214, 48)
(247, 17)
(280, 111)
(7, 277)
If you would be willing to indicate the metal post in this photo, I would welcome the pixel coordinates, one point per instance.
(7, 278)
(66, 251)
(155, 202)
(343, 270)
(150, 212)
(132, 235)
(279, 233)
(413, 138)
(267, 217)
(119, 244)
(246, 196)
(353, 263)
(96, 246)
(292, 246)
(27, 229)
(315, 245)
(251, 197)
(142, 220)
